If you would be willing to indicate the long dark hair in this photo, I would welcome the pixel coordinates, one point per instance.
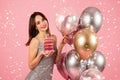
(32, 26)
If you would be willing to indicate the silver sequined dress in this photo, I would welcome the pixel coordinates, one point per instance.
(44, 70)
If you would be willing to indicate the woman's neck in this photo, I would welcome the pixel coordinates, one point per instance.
(42, 35)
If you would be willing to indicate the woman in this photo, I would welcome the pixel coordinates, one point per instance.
(40, 62)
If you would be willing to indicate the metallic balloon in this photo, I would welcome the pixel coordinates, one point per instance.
(91, 16)
(92, 74)
(97, 60)
(72, 63)
(85, 43)
(59, 20)
(83, 64)
(70, 36)
(69, 24)
(61, 66)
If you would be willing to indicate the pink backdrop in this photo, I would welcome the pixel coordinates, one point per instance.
(14, 16)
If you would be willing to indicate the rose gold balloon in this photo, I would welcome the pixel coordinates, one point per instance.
(85, 42)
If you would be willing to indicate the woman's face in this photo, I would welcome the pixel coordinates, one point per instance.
(41, 23)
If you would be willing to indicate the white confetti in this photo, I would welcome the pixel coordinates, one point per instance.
(19, 69)
(103, 18)
(108, 53)
(108, 11)
(117, 45)
(108, 65)
(108, 22)
(10, 57)
(115, 27)
(7, 18)
(54, 6)
(100, 37)
(118, 49)
(118, 1)
(21, 62)
(112, 8)
(113, 59)
(18, 44)
(63, 0)
(108, 29)
(0, 77)
(100, 3)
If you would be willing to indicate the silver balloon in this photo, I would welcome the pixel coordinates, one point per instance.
(69, 24)
(91, 16)
(97, 60)
(61, 66)
(92, 74)
(59, 20)
(72, 63)
(83, 65)
(70, 36)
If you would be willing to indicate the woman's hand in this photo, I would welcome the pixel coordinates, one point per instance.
(60, 47)
(48, 53)
(64, 40)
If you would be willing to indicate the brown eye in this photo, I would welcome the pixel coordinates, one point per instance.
(38, 22)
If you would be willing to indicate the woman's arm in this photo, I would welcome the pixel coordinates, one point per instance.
(55, 44)
(34, 59)
(60, 47)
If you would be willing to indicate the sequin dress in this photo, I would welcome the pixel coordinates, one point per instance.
(44, 70)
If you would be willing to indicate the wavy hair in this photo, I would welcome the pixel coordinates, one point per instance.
(32, 26)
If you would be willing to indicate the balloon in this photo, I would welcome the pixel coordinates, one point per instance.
(83, 64)
(59, 20)
(61, 66)
(71, 35)
(72, 63)
(97, 60)
(70, 38)
(61, 14)
(91, 16)
(85, 43)
(69, 24)
(92, 74)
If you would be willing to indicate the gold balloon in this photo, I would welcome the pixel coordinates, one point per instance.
(85, 42)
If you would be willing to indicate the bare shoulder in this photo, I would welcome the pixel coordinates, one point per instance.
(34, 42)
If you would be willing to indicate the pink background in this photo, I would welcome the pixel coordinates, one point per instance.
(14, 16)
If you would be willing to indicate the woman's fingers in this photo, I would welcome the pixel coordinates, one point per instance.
(65, 40)
(49, 53)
